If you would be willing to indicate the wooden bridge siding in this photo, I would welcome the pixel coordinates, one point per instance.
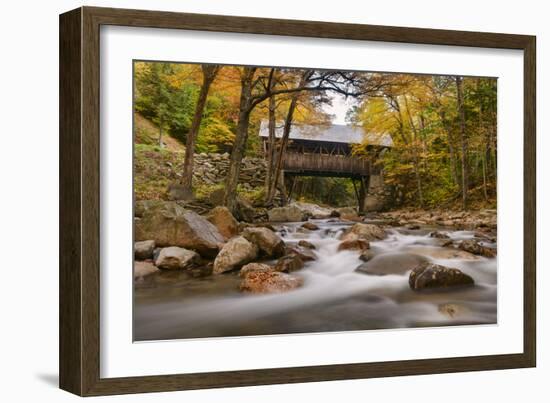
(325, 163)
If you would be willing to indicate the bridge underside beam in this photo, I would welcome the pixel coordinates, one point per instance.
(326, 174)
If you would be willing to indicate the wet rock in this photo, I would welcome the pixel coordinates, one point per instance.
(366, 232)
(307, 255)
(236, 253)
(310, 226)
(290, 213)
(201, 271)
(289, 263)
(354, 244)
(143, 269)
(222, 218)
(348, 213)
(269, 243)
(472, 246)
(439, 235)
(314, 210)
(306, 244)
(144, 249)
(254, 267)
(171, 225)
(367, 255)
(263, 282)
(174, 258)
(485, 235)
(391, 263)
(430, 276)
(413, 226)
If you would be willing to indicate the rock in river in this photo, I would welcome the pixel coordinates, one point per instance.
(430, 276)
(310, 226)
(391, 263)
(269, 243)
(366, 232)
(171, 225)
(254, 267)
(290, 213)
(306, 254)
(236, 252)
(306, 244)
(354, 244)
(472, 246)
(143, 269)
(144, 249)
(262, 282)
(174, 258)
(222, 218)
(289, 263)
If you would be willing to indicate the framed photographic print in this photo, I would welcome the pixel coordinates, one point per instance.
(250, 201)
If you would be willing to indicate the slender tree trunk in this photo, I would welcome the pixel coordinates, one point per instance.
(270, 146)
(284, 141)
(462, 120)
(245, 107)
(209, 74)
(481, 132)
(415, 155)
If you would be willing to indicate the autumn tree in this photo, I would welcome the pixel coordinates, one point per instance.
(209, 72)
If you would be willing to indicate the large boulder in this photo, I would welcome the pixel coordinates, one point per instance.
(174, 258)
(348, 213)
(171, 225)
(366, 232)
(244, 211)
(263, 282)
(236, 252)
(144, 249)
(269, 243)
(144, 269)
(254, 267)
(391, 263)
(290, 213)
(430, 276)
(472, 246)
(314, 210)
(222, 218)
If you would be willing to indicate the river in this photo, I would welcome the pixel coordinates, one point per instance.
(334, 297)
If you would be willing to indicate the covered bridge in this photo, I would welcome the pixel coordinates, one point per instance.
(327, 151)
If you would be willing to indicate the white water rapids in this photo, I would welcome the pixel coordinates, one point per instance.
(334, 297)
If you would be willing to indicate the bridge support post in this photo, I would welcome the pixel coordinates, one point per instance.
(363, 191)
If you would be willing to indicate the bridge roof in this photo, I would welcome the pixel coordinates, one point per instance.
(333, 133)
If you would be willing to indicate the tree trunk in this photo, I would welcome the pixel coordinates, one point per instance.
(462, 120)
(415, 155)
(245, 107)
(481, 132)
(270, 147)
(284, 141)
(209, 74)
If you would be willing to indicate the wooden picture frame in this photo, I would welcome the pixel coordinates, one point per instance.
(80, 184)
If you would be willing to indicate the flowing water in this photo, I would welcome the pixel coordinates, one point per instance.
(334, 297)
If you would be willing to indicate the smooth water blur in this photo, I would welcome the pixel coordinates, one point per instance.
(180, 304)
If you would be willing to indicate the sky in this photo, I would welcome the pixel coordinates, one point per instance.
(339, 108)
